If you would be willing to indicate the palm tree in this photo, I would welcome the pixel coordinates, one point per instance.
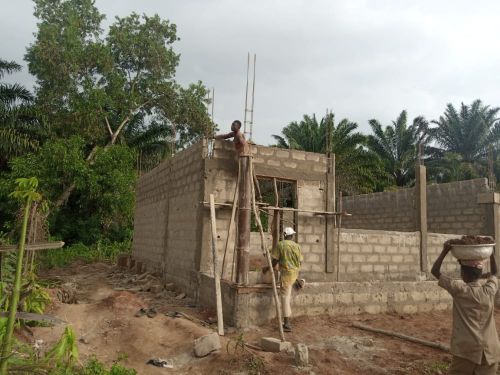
(397, 146)
(15, 118)
(468, 133)
(357, 169)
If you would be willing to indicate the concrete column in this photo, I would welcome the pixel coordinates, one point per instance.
(493, 219)
(421, 211)
(330, 220)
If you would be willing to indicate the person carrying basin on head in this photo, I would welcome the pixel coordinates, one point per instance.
(474, 342)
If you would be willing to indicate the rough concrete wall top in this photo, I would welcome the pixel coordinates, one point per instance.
(275, 162)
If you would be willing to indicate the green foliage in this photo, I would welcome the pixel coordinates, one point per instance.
(64, 354)
(464, 137)
(94, 367)
(102, 205)
(16, 136)
(396, 146)
(99, 252)
(357, 169)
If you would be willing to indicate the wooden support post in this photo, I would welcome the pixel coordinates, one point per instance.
(244, 214)
(330, 221)
(265, 250)
(431, 344)
(231, 224)
(276, 214)
(339, 227)
(218, 295)
(421, 211)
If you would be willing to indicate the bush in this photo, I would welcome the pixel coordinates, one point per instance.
(102, 251)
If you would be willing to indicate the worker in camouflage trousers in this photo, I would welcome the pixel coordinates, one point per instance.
(474, 340)
(289, 257)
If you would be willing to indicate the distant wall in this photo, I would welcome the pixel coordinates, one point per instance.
(454, 207)
(451, 208)
(393, 210)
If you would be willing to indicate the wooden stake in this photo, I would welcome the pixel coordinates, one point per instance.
(265, 250)
(231, 223)
(218, 295)
(431, 344)
(276, 215)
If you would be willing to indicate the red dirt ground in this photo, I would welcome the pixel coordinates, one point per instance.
(104, 322)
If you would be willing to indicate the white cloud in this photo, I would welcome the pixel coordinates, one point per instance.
(362, 58)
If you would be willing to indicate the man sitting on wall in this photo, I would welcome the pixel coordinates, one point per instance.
(474, 341)
(289, 257)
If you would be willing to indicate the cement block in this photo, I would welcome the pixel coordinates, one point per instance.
(301, 355)
(205, 345)
(270, 344)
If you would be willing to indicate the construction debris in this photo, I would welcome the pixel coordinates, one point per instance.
(270, 344)
(205, 345)
(159, 362)
(67, 293)
(301, 355)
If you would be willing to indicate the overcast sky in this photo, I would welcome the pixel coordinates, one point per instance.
(361, 58)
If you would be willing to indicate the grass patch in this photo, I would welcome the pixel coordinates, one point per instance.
(102, 251)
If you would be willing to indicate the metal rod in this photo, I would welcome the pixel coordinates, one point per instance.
(213, 102)
(246, 97)
(253, 95)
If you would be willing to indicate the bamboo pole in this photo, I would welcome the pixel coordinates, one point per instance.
(316, 212)
(275, 225)
(338, 236)
(431, 344)
(218, 295)
(231, 223)
(265, 250)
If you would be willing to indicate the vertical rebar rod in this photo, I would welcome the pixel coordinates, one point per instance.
(253, 97)
(246, 97)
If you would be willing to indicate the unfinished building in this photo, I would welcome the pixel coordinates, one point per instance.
(378, 260)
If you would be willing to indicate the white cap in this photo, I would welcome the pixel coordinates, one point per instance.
(288, 231)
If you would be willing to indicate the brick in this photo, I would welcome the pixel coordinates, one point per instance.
(273, 163)
(366, 268)
(298, 155)
(283, 154)
(397, 258)
(270, 344)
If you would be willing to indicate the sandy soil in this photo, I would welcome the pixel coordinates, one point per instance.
(105, 324)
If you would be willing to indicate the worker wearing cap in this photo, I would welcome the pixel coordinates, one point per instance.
(289, 257)
(474, 341)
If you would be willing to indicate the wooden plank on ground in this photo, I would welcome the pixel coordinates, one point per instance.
(34, 317)
(33, 247)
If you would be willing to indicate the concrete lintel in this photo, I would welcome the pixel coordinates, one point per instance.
(485, 198)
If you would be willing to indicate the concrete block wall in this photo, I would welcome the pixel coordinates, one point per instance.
(453, 207)
(244, 307)
(379, 255)
(435, 243)
(167, 217)
(393, 210)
